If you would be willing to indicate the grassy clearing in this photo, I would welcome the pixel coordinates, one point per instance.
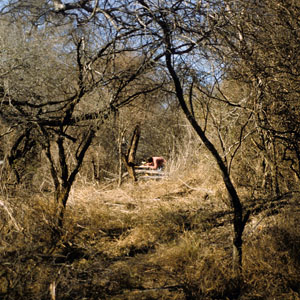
(168, 239)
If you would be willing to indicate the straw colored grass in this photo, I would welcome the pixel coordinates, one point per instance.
(167, 239)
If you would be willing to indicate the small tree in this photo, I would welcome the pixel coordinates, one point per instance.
(181, 28)
(64, 110)
(261, 39)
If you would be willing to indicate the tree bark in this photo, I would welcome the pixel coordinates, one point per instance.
(238, 220)
(129, 157)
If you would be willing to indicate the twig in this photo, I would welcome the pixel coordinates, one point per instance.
(11, 216)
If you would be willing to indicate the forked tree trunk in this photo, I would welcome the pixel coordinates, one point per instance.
(62, 177)
(129, 157)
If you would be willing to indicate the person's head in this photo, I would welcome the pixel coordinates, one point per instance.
(150, 160)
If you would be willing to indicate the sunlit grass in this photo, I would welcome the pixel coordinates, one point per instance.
(167, 239)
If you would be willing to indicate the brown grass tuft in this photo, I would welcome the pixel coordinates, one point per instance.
(168, 239)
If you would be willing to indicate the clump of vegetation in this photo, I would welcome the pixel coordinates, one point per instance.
(89, 90)
(142, 241)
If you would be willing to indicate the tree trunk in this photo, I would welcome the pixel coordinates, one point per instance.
(238, 220)
(120, 142)
(129, 157)
(62, 196)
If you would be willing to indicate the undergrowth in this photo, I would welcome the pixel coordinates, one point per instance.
(169, 239)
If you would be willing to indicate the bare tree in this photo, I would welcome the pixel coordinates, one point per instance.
(181, 39)
(175, 33)
(181, 33)
(261, 40)
(63, 110)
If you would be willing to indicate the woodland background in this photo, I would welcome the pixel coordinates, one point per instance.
(213, 86)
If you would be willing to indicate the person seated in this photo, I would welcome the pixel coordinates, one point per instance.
(155, 163)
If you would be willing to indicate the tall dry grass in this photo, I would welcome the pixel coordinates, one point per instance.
(167, 239)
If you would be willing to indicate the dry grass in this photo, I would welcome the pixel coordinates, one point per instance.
(168, 239)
